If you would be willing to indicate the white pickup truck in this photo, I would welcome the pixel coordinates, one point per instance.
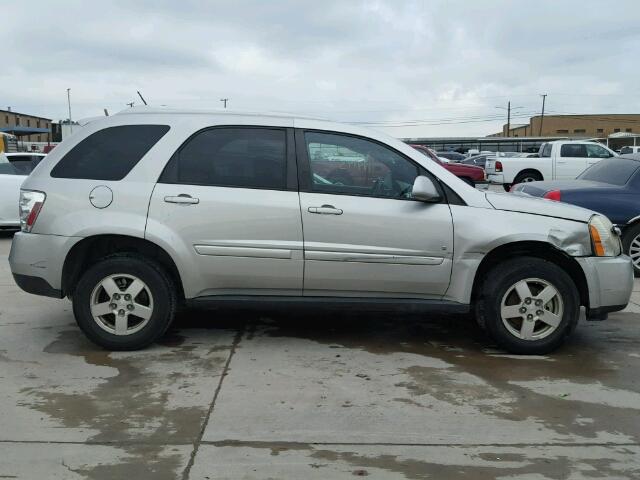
(559, 160)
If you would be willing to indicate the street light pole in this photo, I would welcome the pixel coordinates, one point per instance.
(69, 103)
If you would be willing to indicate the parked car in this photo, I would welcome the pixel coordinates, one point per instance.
(559, 160)
(14, 168)
(477, 160)
(611, 187)
(453, 156)
(629, 150)
(469, 173)
(149, 209)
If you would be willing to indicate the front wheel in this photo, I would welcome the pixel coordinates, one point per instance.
(528, 305)
(124, 302)
(631, 246)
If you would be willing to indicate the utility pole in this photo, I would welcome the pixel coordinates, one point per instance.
(224, 100)
(508, 109)
(131, 104)
(69, 104)
(544, 97)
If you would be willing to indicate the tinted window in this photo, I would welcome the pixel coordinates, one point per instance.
(24, 164)
(109, 154)
(615, 171)
(354, 166)
(573, 150)
(624, 150)
(597, 151)
(6, 168)
(546, 150)
(231, 157)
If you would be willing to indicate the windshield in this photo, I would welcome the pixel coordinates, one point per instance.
(615, 171)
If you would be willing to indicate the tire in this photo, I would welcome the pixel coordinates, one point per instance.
(517, 334)
(155, 302)
(527, 176)
(468, 181)
(507, 186)
(631, 246)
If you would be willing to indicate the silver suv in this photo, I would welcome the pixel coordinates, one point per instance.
(147, 210)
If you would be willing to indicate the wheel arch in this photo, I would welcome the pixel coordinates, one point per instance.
(537, 249)
(92, 249)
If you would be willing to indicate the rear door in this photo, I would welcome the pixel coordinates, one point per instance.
(571, 161)
(363, 234)
(227, 204)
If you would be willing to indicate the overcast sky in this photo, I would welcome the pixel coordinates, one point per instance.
(415, 68)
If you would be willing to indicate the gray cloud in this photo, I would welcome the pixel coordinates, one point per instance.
(443, 62)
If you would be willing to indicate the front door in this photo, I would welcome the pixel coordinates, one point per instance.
(363, 234)
(227, 209)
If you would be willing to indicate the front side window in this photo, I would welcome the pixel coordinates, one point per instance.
(596, 151)
(109, 154)
(348, 165)
(573, 150)
(245, 157)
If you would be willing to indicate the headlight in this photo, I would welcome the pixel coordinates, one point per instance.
(31, 203)
(604, 241)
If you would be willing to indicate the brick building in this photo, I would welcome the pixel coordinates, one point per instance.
(30, 128)
(589, 126)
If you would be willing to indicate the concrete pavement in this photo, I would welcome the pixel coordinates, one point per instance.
(293, 394)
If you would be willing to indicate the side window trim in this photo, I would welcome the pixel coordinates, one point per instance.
(304, 165)
(170, 171)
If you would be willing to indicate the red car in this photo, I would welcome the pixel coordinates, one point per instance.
(469, 173)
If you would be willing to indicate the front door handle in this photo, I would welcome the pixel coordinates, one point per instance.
(182, 199)
(325, 210)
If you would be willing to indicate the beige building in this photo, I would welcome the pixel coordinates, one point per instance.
(28, 128)
(590, 126)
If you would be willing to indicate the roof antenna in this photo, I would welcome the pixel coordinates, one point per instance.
(141, 97)
(106, 112)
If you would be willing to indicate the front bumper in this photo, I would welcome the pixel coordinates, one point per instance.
(36, 262)
(610, 283)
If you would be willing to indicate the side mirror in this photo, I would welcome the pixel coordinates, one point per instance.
(424, 190)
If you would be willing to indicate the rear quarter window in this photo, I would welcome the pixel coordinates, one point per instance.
(109, 154)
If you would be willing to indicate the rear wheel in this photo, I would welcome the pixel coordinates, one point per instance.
(631, 246)
(528, 176)
(528, 305)
(124, 302)
(507, 186)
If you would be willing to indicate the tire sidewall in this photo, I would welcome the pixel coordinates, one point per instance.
(508, 276)
(155, 281)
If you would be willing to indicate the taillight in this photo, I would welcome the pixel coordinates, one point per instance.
(31, 203)
(498, 166)
(553, 195)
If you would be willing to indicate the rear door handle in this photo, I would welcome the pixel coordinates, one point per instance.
(182, 199)
(325, 210)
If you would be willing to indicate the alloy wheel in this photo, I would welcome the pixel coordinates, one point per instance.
(634, 251)
(121, 304)
(531, 309)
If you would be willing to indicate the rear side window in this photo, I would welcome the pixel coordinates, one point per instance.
(615, 171)
(231, 157)
(573, 150)
(109, 154)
